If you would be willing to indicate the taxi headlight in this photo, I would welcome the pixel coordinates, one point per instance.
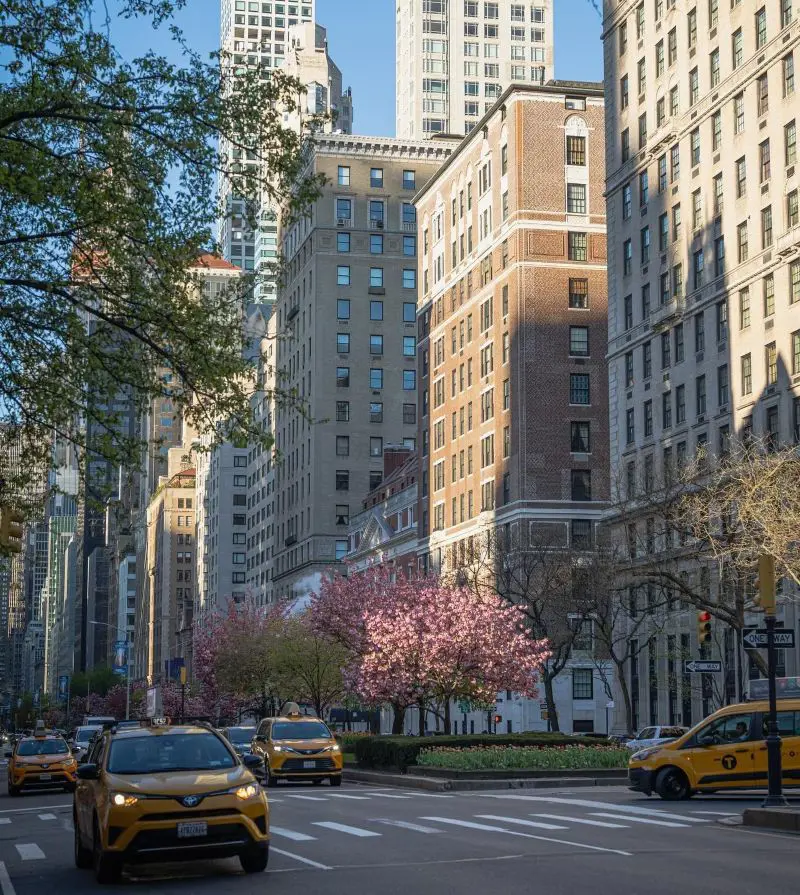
(278, 748)
(336, 748)
(248, 791)
(123, 799)
(642, 754)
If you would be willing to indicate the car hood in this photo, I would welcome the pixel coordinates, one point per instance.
(180, 783)
(45, 759)
(304, 745)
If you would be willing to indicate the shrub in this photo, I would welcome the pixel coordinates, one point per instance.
(482, 758)
(347, 740)
(401, 752)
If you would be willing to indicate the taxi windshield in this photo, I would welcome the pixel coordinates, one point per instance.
(300, 730)
(169, 752)
(84, 734)
(240, 735)
(42, 747)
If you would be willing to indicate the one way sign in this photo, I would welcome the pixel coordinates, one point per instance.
(756, 638)
(699, 666)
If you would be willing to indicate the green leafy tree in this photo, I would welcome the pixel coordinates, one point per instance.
(108, 172)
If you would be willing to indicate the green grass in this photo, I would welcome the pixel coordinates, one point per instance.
(504, 758)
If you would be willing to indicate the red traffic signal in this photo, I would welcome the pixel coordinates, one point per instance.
(703, 626)
(498, 719)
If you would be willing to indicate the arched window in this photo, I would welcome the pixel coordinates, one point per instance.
(576, 136)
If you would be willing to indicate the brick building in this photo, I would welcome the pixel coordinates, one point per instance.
(512, 336)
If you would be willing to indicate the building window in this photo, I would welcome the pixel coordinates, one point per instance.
(376, 244)
(761, 28)
(376, 178)
(581, 534)
(747, 374)
(744, 308)
(342, 242)
(764, 161)
(376, 378)
(409, 346)
(576, 198)
(737, 48)
(376, 344)
(343, 309)
(344, 210)
(579, 341)
(376, 446)
(576, 151)
(577, 246)
(630, 426)
(771, 353)
(343, 275)
(376, 277)
(342, 411)
(342, 480)
(343, 343)
(581, 482)
(409, 380)
(344, 175)
(578, 293)
(409, 180)
(342, 445)
(579, 388)
(790, 143)
(723, 386)
(580, 441)
(376, 412)
(409, 278)
(582, 683)
(376, 310)
(341, 550)
(343, 377)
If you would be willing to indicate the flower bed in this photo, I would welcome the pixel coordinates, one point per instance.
(482, 758)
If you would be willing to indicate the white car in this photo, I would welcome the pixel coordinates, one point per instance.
(653, 736)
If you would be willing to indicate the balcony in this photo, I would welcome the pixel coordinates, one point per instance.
(376, 224)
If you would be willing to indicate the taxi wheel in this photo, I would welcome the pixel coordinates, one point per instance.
(83, 856)
(107, 868)
(317, 781)
(336, 781)
(672, 785)
(254, 860)
(13, 791)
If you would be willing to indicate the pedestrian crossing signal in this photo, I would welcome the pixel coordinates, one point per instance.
(11, 529)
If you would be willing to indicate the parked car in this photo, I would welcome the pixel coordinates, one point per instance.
(653, 736)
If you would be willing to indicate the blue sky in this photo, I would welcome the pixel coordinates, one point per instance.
(361, 41)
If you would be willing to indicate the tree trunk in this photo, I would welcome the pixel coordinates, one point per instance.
(447, 716)
(421, 705)
(398, 718)
(626, 696)
(551, 703)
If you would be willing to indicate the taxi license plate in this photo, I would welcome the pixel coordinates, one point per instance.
(192, 831)
(309, 764)
(45, 777)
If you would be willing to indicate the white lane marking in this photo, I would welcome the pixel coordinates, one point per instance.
(428, 795)
(490, 829)
(344, 828)
(300, 858)
(522, 823)
(309, 798)
(290, 834)
(5, 820)
(715, 813)
(341, 795)
(272, 799)
(390, 795)
(47, 817)
(30, 851)
(406, 825)
(582, 820)
(6, 886)
(64, 807)
(639, 820)
(610, 806)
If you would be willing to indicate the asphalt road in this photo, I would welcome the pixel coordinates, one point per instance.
(386, 841)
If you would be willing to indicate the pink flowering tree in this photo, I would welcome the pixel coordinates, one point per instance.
(413, 642)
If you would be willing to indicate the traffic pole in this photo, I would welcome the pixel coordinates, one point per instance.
(775, 797)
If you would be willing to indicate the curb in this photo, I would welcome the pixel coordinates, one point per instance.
(431, 784)
(533, 774)
(783, 820)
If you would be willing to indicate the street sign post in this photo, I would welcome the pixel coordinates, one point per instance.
(701, 666)
(757, 638)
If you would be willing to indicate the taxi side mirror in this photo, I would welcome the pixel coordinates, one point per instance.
(251, 761)
(259, 738)
(88, 772)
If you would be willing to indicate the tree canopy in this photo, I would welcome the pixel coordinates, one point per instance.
(108, 173)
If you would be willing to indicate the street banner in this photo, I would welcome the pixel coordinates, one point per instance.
(120, 665)
(63, 687)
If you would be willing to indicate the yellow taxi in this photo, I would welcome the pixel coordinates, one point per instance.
(41, 761)
(297, 747)
(725, 752)
(167, 793)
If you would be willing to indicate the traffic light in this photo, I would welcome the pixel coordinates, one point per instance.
(764, 596)
(498, 719)
(11, 529)
(703, 627)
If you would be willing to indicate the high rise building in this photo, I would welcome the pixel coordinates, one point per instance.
(704, 276)
(455, 57)
(512, 336)
(276, 36)
(347, 349)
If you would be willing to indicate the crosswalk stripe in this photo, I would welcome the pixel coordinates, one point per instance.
(639, 820)
(522, 823)
(716, 813)
(308, 798)
(342, 795)
(47, 817)
(582, 820)
(29, 851)
(406, 825)
(428, 795)
(388, 795)
(490, 829)
(5, 820)
(301, 859)
(344, 828)
(590, 803)
(290, 834)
